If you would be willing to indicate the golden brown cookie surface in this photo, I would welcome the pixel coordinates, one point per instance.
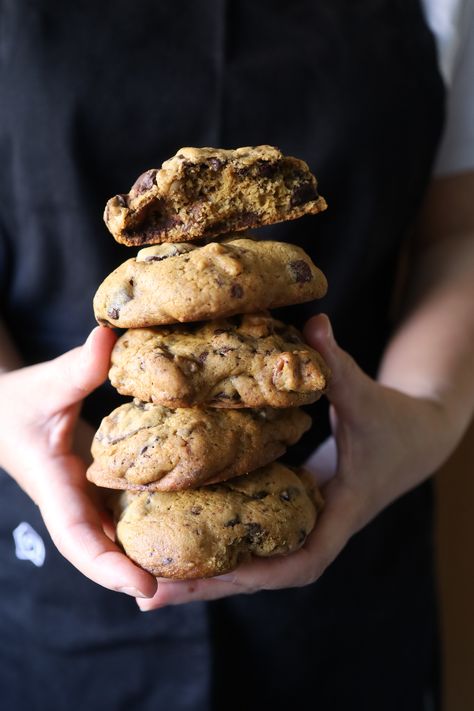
(245, 361)
(145, 446)
(208, 531)
(205, 192)
(181, 283)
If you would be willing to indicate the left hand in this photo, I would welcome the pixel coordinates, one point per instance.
(384, 442)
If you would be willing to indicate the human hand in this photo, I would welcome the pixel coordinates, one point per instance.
(383, 443)
(40, 435)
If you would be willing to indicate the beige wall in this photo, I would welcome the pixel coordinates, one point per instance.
(456, 567)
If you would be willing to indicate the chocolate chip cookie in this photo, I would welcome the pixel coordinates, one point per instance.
(144, 446)
(204, 192)
(203, 532)
(245, 361)
(180, 283)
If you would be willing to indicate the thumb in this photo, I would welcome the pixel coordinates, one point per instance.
(66, 380)
(349, 387)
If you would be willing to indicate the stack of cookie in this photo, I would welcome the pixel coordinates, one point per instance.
(216, 381)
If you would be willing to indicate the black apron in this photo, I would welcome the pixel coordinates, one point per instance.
(92, 94)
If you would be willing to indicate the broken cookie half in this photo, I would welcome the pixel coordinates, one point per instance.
(207, 192)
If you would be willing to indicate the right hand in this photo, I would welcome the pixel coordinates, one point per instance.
(39, 409)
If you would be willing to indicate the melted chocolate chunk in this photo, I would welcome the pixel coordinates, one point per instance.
(306, 192)
(144, 182)
(202, 356)
(267, 169)
(301, 271)
(285, 495)
(167, 561)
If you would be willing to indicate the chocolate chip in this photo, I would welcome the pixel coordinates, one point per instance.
(156, 257)
(301, 271)
(202, 356)
(113, 312)
(303, 193)
(260, 495)
(244, 170)
(216, 163)
(196, 510)
(224, 350)
(232, 522)
(236, 291)
(235, 397)
(267, 169)
(122, 200)
(143, 449)
(167, 561)
(289, 494)
(144, 182)
(254, 531)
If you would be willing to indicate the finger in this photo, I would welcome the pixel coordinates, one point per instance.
(70, 377)
(349, 386)
(334, 528)
(180, 592)
(75, 525)
(251, 576)
(257, 574)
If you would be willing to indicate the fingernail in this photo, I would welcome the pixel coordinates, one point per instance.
(134, 592)
(329, 331)
(91, 336)
(225, 578)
